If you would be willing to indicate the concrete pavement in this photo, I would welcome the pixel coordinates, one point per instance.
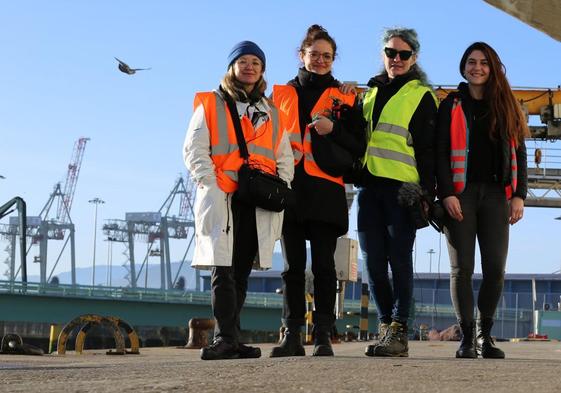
(530, 367)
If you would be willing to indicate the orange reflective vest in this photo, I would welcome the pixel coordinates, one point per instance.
(286, 98)
(459, 137)
(262, 143)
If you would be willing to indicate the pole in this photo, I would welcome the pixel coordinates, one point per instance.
(96, 201)
(430, 252)
(516, 318)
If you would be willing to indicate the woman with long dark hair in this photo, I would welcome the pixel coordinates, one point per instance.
(482, 182)
(320, 214)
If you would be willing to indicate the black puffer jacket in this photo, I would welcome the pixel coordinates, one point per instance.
(319, 199)
(421, 127)
(501, 168)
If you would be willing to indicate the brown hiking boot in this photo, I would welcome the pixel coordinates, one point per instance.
(382, 331)
(395, 343)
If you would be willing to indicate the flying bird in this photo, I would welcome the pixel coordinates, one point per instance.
(124, 67)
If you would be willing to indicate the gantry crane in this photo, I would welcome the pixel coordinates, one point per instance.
(47, 227)
(159, 226)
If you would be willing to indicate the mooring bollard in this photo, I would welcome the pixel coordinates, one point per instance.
(363, 324)
(309, 319)
(53, 337)
(198, 336)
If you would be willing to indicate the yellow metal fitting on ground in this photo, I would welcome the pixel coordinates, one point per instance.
(86, 322)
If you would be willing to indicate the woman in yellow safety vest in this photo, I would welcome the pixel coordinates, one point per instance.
(320, 118)
(400, 109)
(482, 182)
(233, 236)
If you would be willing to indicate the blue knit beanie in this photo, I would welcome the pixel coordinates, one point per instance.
(246, 48)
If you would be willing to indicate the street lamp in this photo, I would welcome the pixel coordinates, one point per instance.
(96, 202)
(430, 252)
(558, 218)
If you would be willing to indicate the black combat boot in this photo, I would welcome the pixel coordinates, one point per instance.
(291, 344)
(323, 325)
(467, 345)
(485, 345)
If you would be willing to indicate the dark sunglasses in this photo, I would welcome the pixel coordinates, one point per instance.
(403, 54)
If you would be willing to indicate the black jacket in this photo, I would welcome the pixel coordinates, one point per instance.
(421, 127)
(319, 199)
(503, 170)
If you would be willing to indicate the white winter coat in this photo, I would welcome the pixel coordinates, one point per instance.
(213, 207)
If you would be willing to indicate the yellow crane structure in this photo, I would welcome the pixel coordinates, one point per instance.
(543, 102)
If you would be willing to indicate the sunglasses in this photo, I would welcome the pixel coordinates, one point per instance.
(403, 54)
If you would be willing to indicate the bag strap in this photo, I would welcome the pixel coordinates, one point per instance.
(237, 125)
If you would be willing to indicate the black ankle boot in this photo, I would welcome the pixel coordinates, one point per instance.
(248, 352)
(220, 349)
(291, 344)
(323, 325)
(485, 345)
(467, 344)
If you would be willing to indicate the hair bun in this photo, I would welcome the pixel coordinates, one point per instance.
(316, 29)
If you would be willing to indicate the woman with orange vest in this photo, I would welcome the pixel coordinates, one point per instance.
(310, 101)
(232, 236)
(482, 182)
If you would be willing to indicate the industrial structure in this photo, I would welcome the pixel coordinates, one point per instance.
(50, 224)
(156, 229)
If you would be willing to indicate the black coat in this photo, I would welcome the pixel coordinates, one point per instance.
(318, 199)
(443, 172)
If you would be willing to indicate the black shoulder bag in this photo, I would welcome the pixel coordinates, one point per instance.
(256, 187)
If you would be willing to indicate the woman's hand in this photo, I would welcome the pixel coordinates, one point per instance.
(516, 210)
(322, 124)
(453, 207)
(347, 88)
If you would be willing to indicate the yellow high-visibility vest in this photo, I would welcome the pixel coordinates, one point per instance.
(390, 151)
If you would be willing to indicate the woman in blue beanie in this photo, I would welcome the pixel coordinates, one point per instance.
(233, 236)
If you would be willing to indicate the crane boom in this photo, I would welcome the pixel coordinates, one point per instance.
(531, 98)
(65, 203)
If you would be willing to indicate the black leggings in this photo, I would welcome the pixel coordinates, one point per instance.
(485, 210)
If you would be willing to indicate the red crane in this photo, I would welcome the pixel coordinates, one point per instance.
(65, 203)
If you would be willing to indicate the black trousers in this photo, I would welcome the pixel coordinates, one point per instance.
(485, 211)
(323, 242)
(229, 284)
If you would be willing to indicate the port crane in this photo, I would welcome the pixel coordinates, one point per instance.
(157, 228)
(51, 223)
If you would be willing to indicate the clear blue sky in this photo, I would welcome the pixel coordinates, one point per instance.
(59, 81)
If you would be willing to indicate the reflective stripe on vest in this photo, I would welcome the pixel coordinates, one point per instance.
(286, 98)
(459, 145)
(262, 143)
(390, 150)
(459, 135)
